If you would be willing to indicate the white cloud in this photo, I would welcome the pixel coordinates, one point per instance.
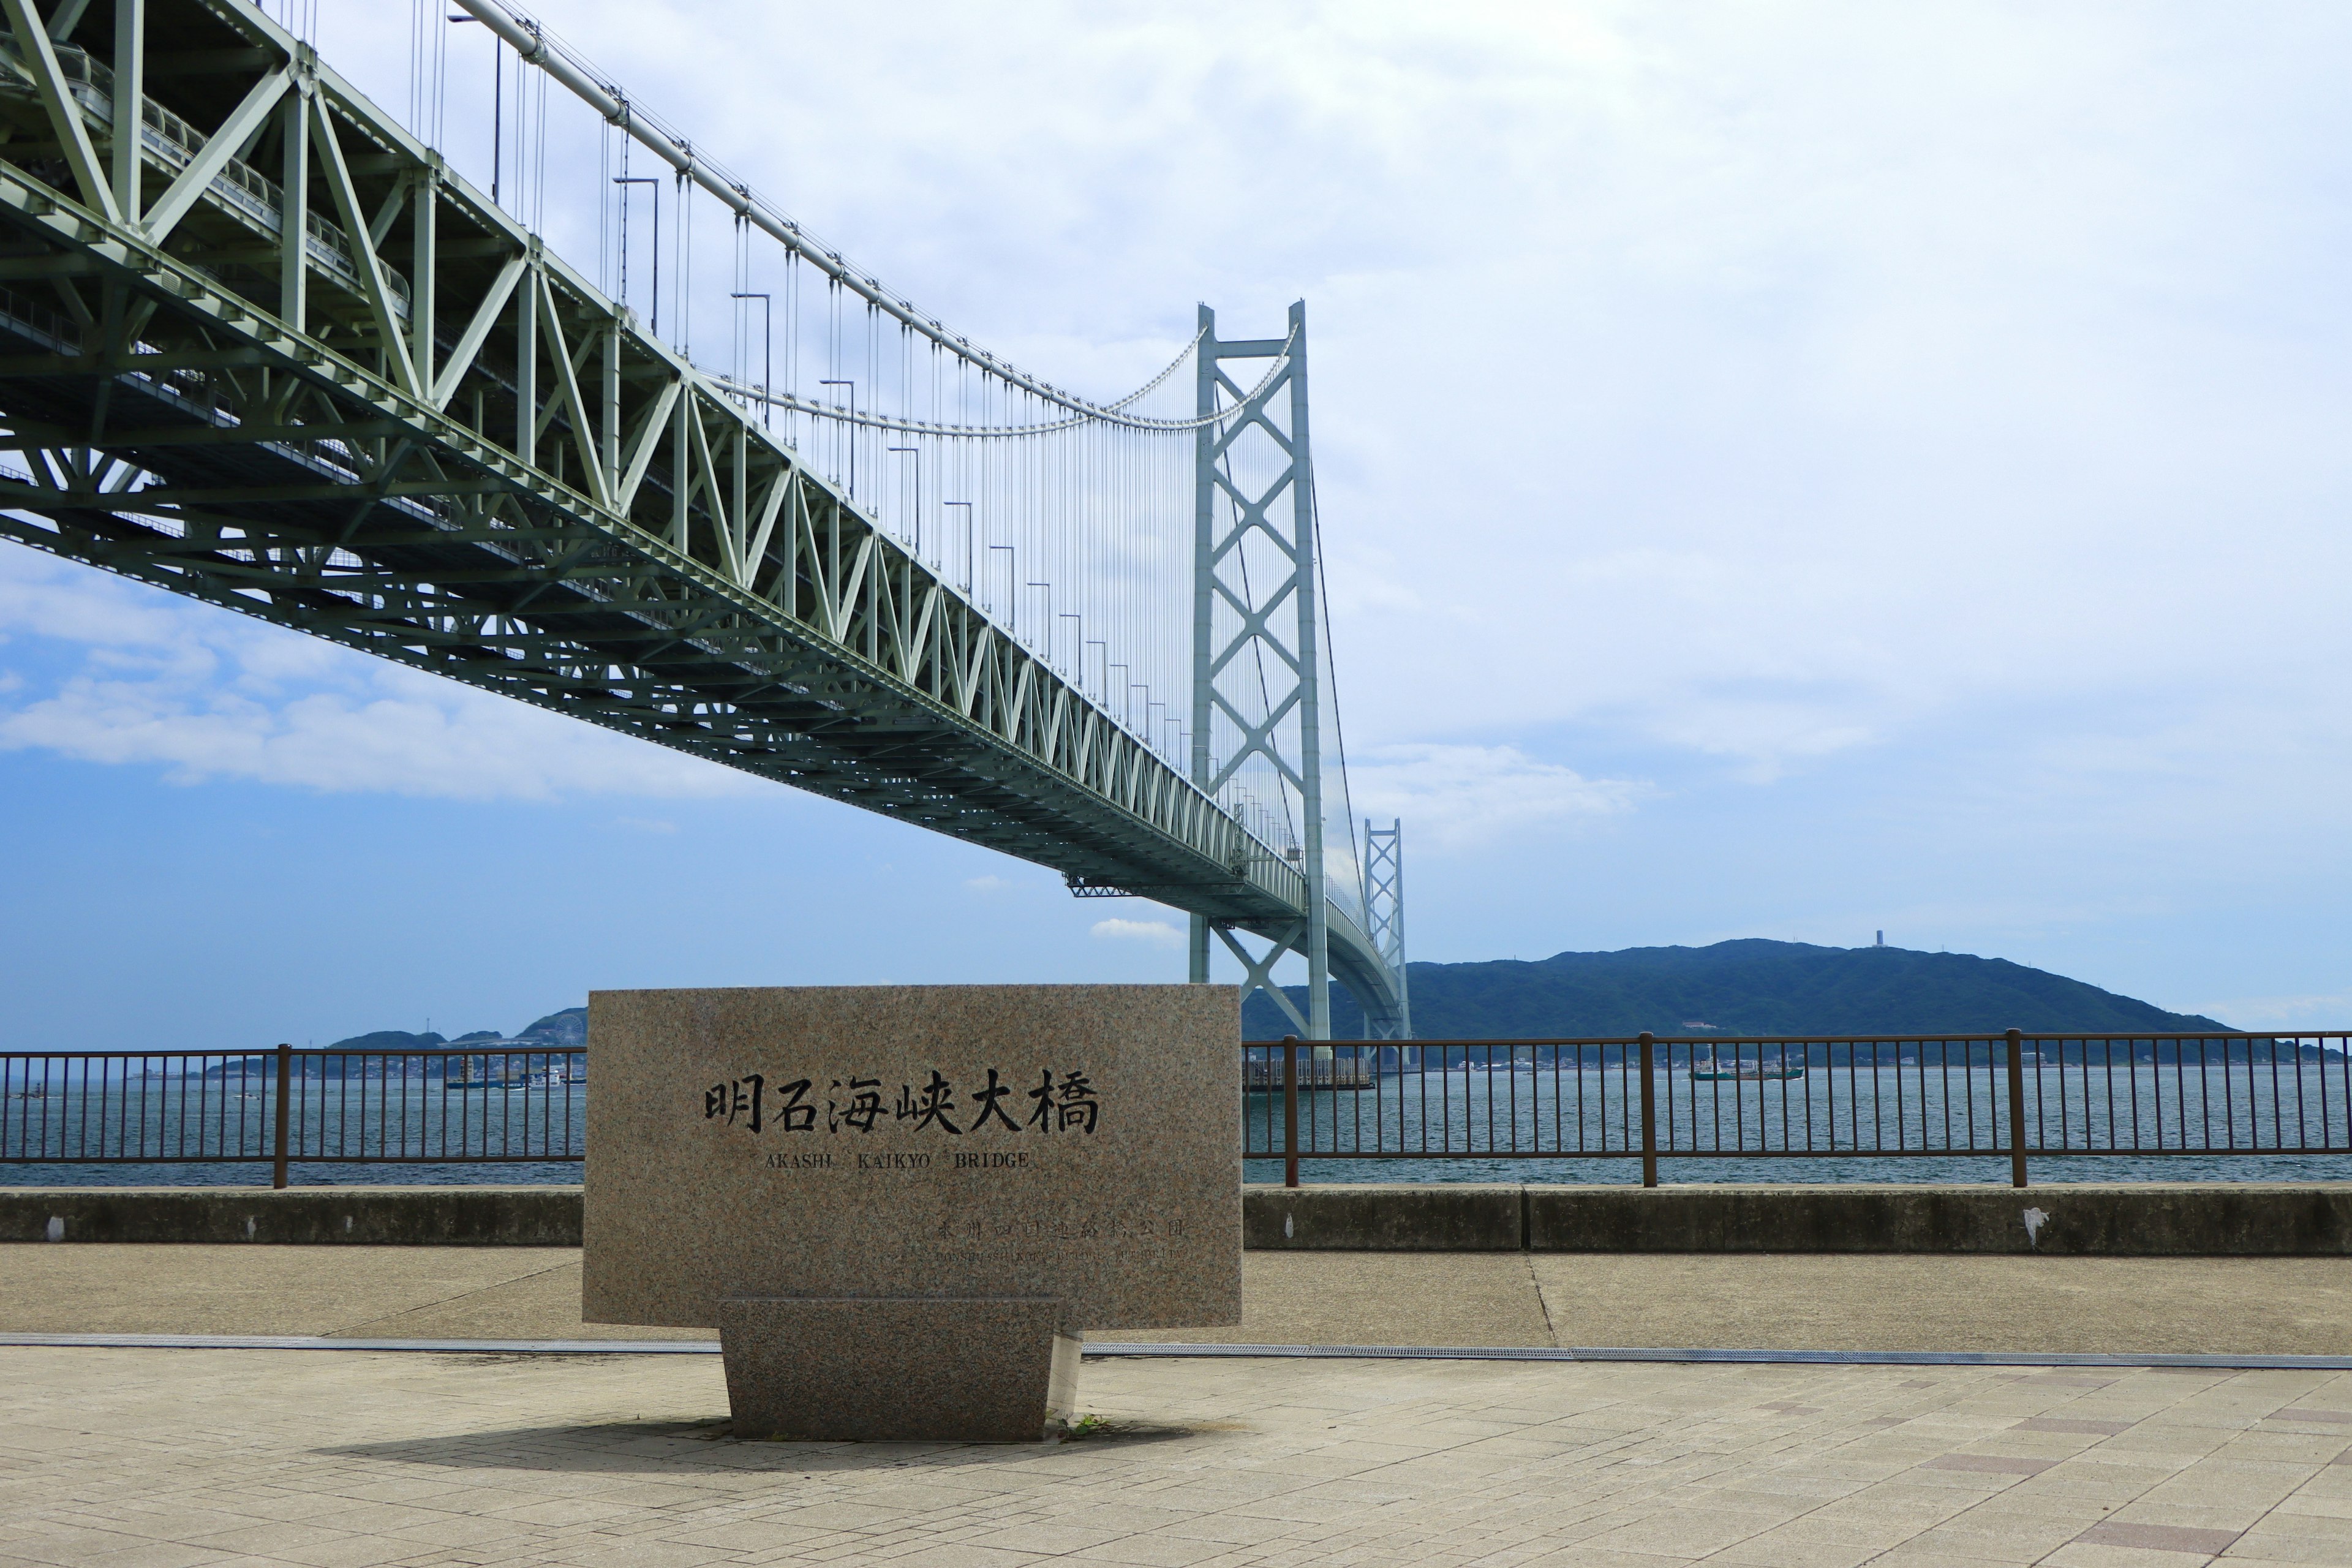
(1152, 933)
(1462, 798)
(1787, 381)
(106, 671)
(1932, 410)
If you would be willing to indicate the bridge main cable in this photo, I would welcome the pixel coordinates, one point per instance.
(532, 40)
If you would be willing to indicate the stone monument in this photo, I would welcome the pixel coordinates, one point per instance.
(901, 1207)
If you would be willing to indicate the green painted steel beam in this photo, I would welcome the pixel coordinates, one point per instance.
(178, 426)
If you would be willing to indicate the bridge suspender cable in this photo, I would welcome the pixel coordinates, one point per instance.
(532, 42)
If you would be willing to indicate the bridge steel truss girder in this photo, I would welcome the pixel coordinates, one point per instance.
(486, 469)
(1225, 517)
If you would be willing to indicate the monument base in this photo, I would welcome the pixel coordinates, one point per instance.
(897, 1368)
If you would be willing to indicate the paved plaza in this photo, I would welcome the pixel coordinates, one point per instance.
(162, 1458)
(2263, 1306)
(174, 1457)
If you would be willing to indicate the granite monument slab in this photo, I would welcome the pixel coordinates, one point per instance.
(865, 1188)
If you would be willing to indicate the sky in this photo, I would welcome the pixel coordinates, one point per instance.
(1790, 470)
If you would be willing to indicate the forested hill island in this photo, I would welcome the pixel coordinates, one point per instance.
(392, 1052)
(567, 1030)
(1745, 987)
(1750, 986)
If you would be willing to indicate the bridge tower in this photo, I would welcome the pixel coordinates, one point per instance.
(1384, 918)
(1254, 555)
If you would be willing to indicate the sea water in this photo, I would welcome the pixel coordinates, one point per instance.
(1709, 1133)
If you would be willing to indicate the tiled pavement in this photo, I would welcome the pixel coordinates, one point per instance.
(347, 1460)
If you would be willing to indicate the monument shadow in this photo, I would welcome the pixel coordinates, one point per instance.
(709, 1447)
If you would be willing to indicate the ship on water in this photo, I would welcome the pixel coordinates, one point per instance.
(1715, 1070)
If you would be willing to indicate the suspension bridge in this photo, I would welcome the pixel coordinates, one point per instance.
(264, 345)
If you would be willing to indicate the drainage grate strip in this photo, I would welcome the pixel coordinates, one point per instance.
(1110, 1349)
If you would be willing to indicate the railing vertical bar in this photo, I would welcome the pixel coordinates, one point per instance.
(285, 1073)
(2229, 1097)
(1583, 1139)
(2108, 1073)
(1511, 1065)
(1968, 1128)
(2016, 1108)
(2089, 1106)
(1290, 1110)
(1852, 1112)
(1668, 1134)
(2344, 1055)
(2302, 1121)
(2204, 1101)
(1809, 1146)
(1902, 1102)
(2132, 1098)
(2179, 1079)
(2278, 1111)
(1356, 1106)
(2041, 1097)
(1943, 1094)
(1650, 1111)
(1739, 1096)
(1485, 1081)
(81, 1090)
(2327, 1122)
(1970, 1119)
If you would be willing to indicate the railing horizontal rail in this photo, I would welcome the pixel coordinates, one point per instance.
(307, 1052)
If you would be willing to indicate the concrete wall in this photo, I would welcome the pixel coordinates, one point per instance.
(2205, 1219)
(304, 1217)
(2138, 1219)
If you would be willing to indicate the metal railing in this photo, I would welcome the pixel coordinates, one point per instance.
(2010, 1096)
(170, 145)
(2013, 1097)
(289, 1107)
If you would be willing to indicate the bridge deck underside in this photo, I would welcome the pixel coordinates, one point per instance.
(559, 617)
(436, 488)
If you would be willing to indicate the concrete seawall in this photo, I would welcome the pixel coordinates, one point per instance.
(300, 1216)
(2204, 1219)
